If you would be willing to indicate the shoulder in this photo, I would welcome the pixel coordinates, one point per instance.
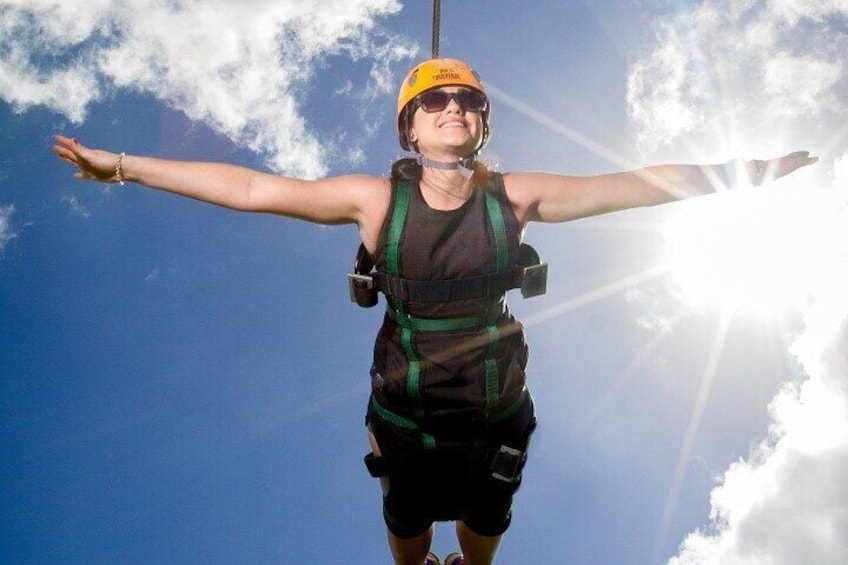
(360, 191)
(373, 196)
(524, 191)
(546, 197)
(357, 182)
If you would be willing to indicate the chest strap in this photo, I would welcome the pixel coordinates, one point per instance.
(531, 279)
(530, 274)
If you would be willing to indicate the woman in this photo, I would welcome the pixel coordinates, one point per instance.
(450, 416)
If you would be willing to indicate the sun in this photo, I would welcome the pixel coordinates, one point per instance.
(761, 250)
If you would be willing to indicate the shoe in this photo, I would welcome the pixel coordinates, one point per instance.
(455, 559)
(431, 559)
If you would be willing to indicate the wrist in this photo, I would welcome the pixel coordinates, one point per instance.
(740, 172)
(119, 169)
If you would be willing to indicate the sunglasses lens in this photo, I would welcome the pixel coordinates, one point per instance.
(434, 101)
(469, 100)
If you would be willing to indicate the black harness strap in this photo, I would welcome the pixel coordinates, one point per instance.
(530, 276)
(448, 290)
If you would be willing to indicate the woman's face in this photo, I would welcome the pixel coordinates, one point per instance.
(452, 132)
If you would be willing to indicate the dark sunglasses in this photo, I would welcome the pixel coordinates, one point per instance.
(438, 100)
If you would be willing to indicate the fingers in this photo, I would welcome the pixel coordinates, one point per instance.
(67, 143)
(66, 148)
(782, 166)
(69, 150)
(801, 158)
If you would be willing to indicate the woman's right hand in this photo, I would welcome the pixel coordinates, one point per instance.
(93, 164)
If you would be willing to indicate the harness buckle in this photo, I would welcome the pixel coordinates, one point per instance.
(362, 290)
(507, 464)
(534, 280)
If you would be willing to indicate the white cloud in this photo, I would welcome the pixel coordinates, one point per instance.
(727, 76)
(6, 233)
(731, 78)
(76, 206)
(243, 68)
(660, 95)
(788, 502)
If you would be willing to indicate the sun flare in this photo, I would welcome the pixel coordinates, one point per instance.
(754, 250)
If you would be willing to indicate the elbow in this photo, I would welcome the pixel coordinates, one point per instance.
(248, 199)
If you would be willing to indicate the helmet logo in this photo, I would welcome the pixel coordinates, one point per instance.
(446, 74)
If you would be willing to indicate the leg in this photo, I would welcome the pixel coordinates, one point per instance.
(410, 551)
(477, 549)
(405, 551)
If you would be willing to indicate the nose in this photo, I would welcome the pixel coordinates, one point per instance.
(454, 106)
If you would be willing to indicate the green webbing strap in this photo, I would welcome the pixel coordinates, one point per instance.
(492, 374)
(396, 228)
(414, 371)
(498, 229)
(391, 417)
(496, 220)
(416, 324)
(428, 441)
(510, 410)
(402, 422)
(393, 262)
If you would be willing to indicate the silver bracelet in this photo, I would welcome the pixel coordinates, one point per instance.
(756, 171)
(119, 169)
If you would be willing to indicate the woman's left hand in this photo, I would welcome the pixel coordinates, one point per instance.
(773, 169)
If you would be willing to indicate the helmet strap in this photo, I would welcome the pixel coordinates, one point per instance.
(464, 166)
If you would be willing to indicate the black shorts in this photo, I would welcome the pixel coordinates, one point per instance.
(448, 484)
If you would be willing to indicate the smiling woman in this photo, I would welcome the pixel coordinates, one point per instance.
(761, 251)
(450, 413)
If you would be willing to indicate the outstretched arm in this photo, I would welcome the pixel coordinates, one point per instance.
(544, 197)
(333, 200)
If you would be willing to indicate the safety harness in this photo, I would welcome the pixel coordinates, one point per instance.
(528, 273)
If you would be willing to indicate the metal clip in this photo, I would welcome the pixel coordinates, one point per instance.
(362, 291)
(534, 281)
(507, 464)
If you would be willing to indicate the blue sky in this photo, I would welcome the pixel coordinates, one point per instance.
(185, 384)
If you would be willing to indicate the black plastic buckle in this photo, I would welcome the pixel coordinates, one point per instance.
(534, 281)
(377, 466)
(362, 291)
(507, 464)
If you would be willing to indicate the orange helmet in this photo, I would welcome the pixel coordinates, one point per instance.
(435, 73)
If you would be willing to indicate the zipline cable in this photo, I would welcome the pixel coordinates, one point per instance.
(437, 17)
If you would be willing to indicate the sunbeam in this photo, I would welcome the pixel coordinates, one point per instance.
(594, 295)
(647, 352)
(692, 432)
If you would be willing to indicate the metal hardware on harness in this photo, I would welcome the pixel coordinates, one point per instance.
(507, 463)
(534, 281)
(362, 290)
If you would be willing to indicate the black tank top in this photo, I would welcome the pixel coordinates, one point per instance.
(452, 369)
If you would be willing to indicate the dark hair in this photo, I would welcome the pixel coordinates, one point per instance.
(407, 168)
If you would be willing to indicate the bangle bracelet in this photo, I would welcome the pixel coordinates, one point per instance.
(119, 169)
(757, 171)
